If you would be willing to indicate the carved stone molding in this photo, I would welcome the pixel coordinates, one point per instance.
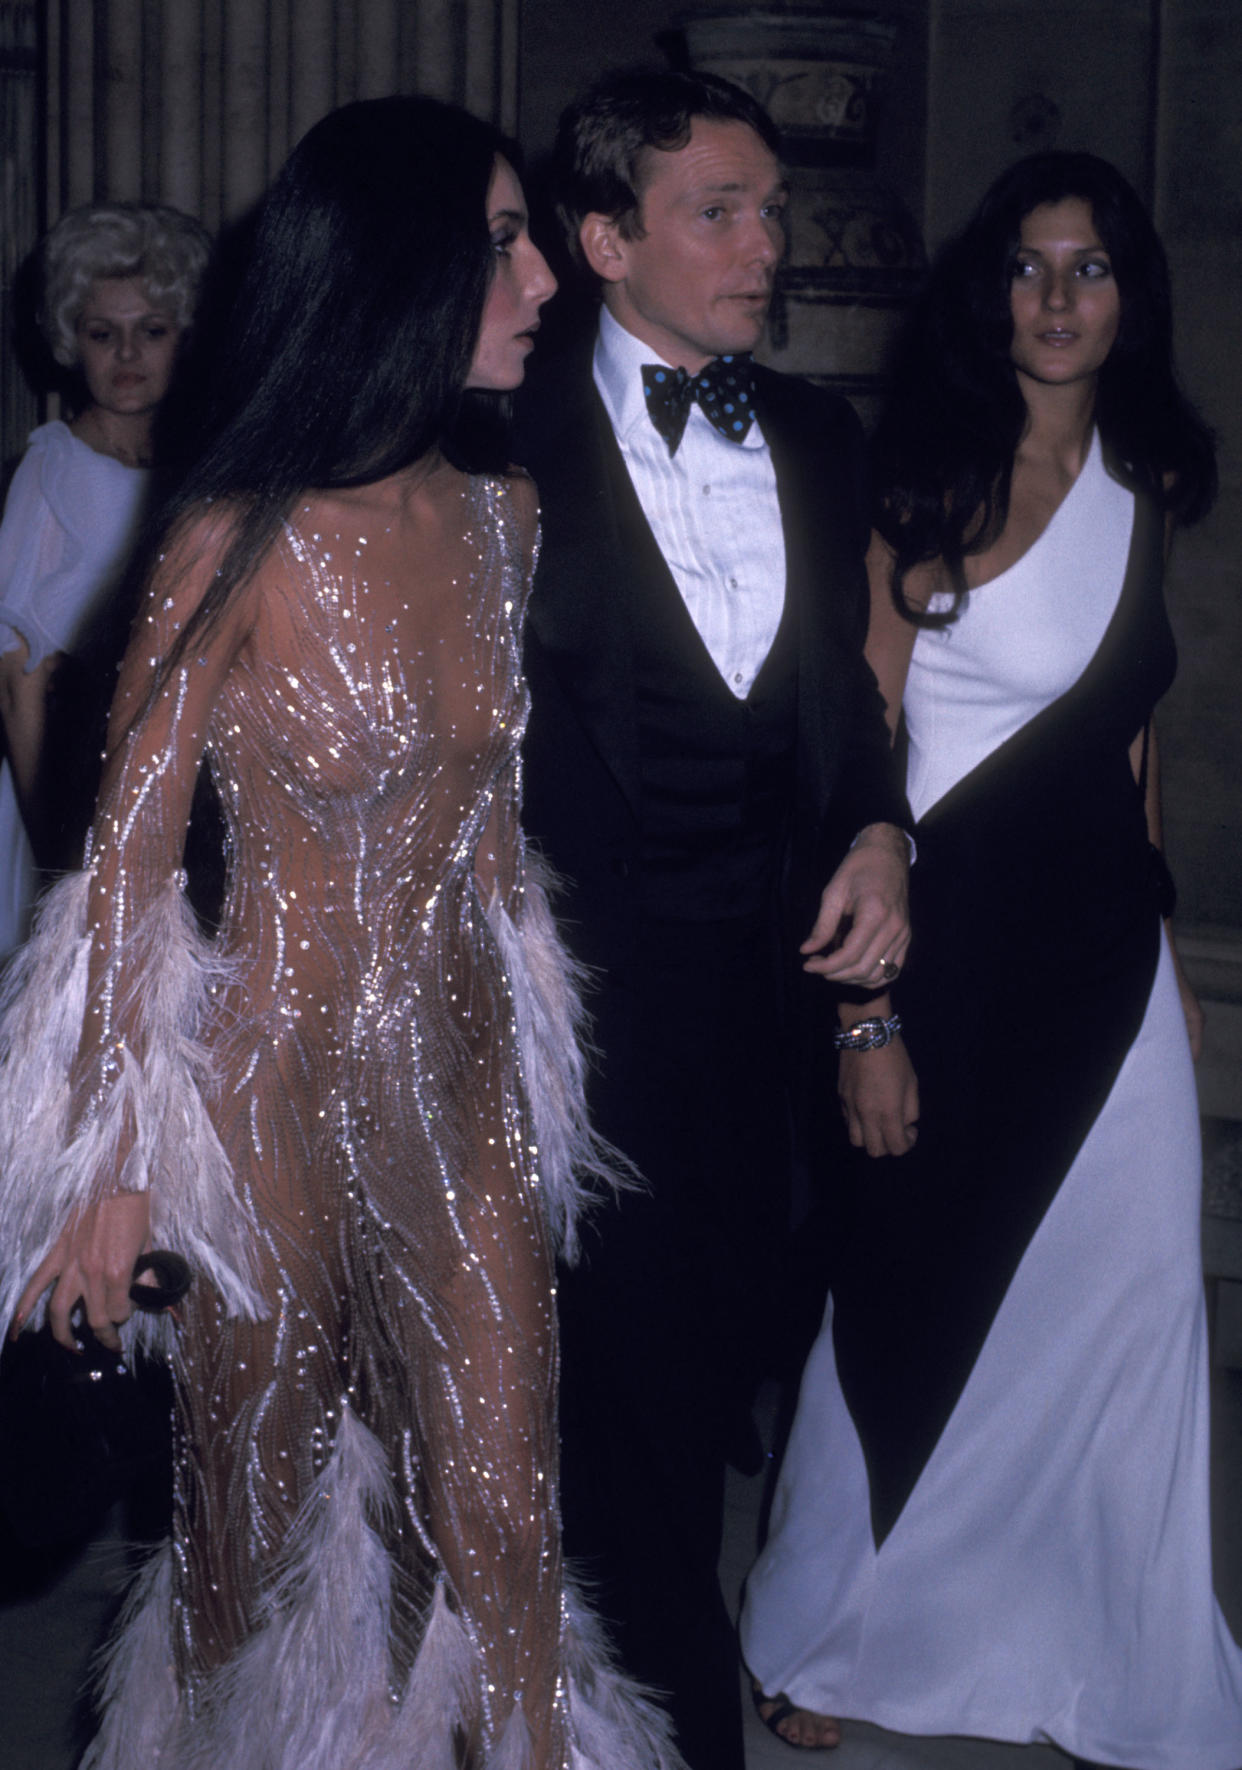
(855, 256)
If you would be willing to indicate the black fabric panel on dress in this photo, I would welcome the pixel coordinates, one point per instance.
(1036, 938)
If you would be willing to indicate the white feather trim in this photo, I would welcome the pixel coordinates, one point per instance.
(441, 1693)
(512, 1750)
(574, 1164)
(136, 1683)
(614, 1724)
(48, 1170)
(310, 1688)
(311, 1683)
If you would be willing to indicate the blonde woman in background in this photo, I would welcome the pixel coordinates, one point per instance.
(120, 283)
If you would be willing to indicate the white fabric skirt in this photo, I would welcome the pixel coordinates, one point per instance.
(1050, 1577)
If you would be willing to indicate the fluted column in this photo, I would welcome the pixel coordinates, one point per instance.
(19, 204)
(179, 140)
(197, 102)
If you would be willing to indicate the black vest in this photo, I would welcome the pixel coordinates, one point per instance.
(716, 772)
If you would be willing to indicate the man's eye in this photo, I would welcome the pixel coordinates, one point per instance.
(713, 212)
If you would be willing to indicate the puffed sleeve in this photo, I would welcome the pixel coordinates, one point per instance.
(70, 522)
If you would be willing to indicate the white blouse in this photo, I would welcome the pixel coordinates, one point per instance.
(70, 520)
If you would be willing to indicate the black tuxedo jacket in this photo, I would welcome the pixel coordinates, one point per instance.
(581, 790)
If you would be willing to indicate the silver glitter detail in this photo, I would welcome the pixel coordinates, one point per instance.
(357, 1073)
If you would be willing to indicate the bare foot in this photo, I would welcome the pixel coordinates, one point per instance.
(801, 1727)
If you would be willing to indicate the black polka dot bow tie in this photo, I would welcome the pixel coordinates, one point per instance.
(724, 390)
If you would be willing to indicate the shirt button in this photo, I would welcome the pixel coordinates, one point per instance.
(733, 583)
(707, 491)
(737, 676)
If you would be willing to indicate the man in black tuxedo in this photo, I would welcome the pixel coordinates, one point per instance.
(705, 744)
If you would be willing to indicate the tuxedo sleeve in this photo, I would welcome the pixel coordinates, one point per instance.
(849, 776)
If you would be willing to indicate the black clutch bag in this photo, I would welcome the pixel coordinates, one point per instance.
(77, 1430)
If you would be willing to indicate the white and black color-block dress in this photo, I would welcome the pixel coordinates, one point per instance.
(993, 1514)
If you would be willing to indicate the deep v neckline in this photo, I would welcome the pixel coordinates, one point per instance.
(1090, 462)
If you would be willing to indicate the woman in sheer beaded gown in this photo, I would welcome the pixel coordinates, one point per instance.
(993, 1513)
(357, 1111)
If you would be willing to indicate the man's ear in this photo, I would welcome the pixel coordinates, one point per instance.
(603, 247)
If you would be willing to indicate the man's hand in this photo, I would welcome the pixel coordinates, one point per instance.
(862, 933)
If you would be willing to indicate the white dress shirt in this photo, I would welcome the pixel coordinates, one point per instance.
(712, 507)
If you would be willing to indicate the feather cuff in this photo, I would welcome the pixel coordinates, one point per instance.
(49, 1167)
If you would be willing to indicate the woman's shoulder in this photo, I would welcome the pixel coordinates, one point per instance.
(513, 493)
(190, 556)
(91, 496)
(50, 450)
(512, 482)
(517, 486)
(56, 442)
(54, 438)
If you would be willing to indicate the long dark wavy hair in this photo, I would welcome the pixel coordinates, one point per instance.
(943, 453)
(342, 353)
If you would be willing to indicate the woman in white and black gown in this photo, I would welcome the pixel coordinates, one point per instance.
(356, 1113)
(993, 1513)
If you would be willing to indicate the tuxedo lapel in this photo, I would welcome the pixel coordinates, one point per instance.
(815, 482)
(582, 607)
(597, 541)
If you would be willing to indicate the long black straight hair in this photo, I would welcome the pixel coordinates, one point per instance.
(943, 452)
(342, 353)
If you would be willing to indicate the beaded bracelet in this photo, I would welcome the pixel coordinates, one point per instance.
(868, 1035)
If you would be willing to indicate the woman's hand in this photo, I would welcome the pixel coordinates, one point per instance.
(92, 1262)
(879, 1094)
(23, 715)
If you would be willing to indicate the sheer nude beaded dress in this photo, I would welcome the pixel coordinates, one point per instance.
(358, 1114)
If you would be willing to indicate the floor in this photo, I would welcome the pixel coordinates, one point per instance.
(52, 1617)
(871, 1748)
